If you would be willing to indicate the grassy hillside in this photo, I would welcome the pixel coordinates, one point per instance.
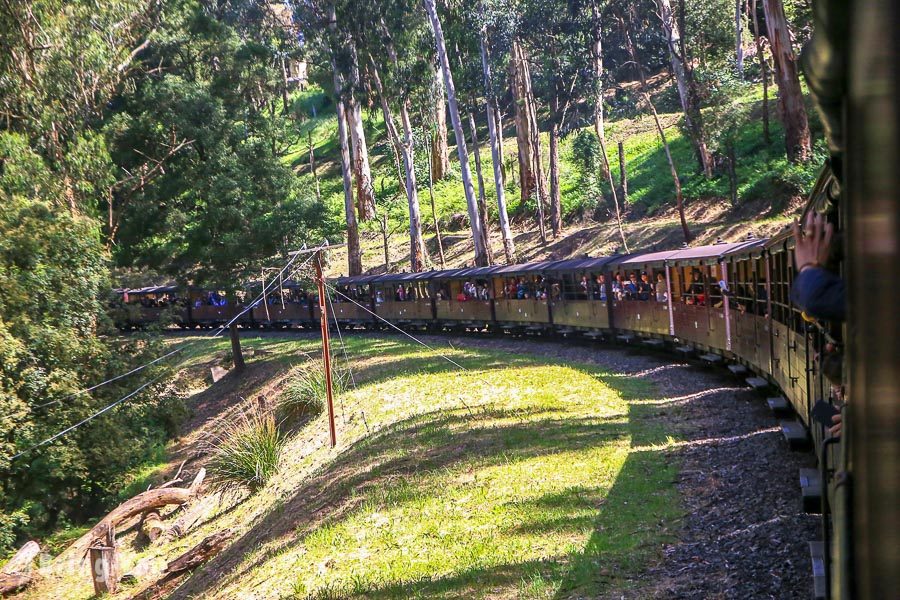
(768, 186)
(520, 477)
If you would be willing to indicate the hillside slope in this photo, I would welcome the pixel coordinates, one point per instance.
(770, 189)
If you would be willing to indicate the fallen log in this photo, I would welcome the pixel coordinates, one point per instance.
(21, 560)
(12, 582)
(143, 502)
(202, 552)
(192, 514)
(16, 573)
(177, 569)
(152, 525)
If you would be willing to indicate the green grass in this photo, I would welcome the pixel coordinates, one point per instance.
(543, 487)
(519, 477)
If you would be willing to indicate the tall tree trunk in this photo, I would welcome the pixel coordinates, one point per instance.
(790, 98)
(237, 354)
(689, 102)
(498, 127)
(312, 166)
(537, 160)
(437, 226)
(679, 198)
(764, 70)
(739, 38)
(732, 172)
(527, 180)
(597, 51)
(365, 191)
(495, 135)
(482, 199)
(440, 152)
(612, 189)
(416, 243)
(354, 254)
(471, 202)
(405, 147)
(555, 195)
(623, 174)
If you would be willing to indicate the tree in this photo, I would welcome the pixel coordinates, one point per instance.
(679, 198)
(790, 97)
(509, 247)
(687, 93)
(471, 202)
(440, 152)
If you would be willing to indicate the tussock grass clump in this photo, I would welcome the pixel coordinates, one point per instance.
(245, 455)
(304, 393)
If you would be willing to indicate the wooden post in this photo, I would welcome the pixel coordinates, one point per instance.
(326, 346)
(105, 563)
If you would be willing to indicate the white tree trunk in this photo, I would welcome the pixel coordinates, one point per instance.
(673, 39)
(365, 190)
(482, 200)
(354, 256)
(471, 202)
(440, 152)
(416, 244)
(495, 135)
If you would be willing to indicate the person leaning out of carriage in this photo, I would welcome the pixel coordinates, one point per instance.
(819, 291)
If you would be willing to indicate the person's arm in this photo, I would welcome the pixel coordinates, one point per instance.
(821, 293)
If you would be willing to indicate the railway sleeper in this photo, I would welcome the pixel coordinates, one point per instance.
(795, 434)
(711, 359)
(684, 351)
(625, 338)
(817, 556)
(811, 490)
(779, 405)
(758, 383)
(654, 343)
(738, 370)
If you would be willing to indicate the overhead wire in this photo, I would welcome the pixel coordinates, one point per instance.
(134, 392)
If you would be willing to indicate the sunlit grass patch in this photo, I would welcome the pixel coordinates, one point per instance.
(514, 478)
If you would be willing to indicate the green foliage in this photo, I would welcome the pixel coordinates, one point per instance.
(246, 452)
(304, 394)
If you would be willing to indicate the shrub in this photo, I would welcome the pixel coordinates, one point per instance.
(304, 393)
(245, 455)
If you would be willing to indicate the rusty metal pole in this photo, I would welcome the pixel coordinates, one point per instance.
(326, 347)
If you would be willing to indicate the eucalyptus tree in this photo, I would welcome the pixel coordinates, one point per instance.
(397, 43)
(453, 105)
(790, 95)
(682, 71)
(493, 27)
(560, 35)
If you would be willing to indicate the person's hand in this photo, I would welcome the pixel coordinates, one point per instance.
(835, 429)
(813, 241)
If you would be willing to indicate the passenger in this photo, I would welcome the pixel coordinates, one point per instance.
(409, 293)
(521, 290)
(821, 293)
(555, 291)
(618, 288)
(379, 297)
(644, 287)
(484, 294)
(584, 285)
(696, 286)
(661, 288)
(630, 289)
(461, 296)
(600, 288)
